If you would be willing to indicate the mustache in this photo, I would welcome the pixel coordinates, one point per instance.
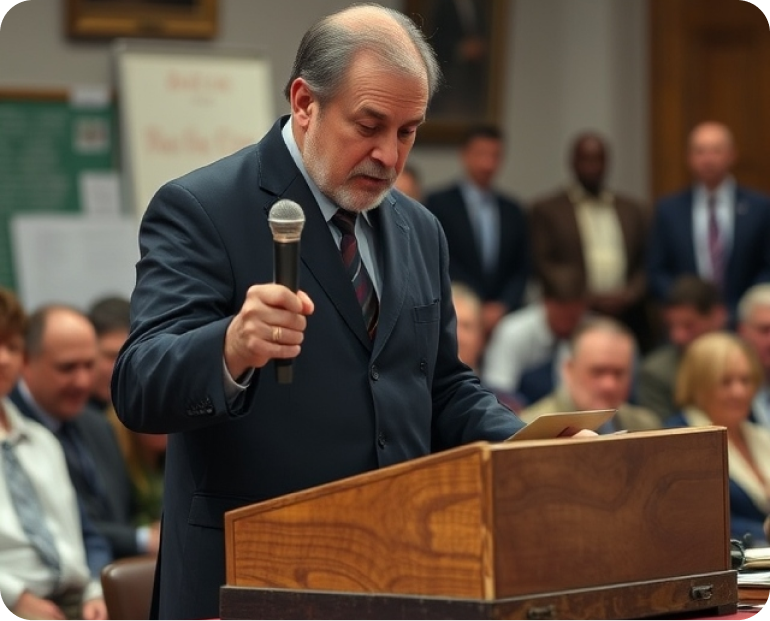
(373, 169)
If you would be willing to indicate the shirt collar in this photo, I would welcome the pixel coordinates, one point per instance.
(577, 194)
(724, 192)
(328, 208)
(18, 425)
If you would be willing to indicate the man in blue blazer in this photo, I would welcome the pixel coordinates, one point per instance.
(715, 229)
(208, 324)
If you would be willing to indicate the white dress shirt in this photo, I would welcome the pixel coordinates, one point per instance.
(21, 568)
(521, 341)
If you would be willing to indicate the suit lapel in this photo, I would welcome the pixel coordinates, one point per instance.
(320, 256)
(393, 233)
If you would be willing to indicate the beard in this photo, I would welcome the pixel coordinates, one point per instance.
(345, 195)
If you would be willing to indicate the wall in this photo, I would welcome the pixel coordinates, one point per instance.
(571, 64)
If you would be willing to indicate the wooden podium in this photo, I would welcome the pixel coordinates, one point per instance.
(610, 527)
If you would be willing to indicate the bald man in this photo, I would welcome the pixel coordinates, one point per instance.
(715, 229)
(596, 235)
(372, 331)
(55, 385)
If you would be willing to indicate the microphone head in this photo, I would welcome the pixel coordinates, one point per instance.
(286, 220)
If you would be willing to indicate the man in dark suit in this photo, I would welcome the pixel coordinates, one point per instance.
(715, 229)
(371, 387)
(596, 234)
(485, 229)
(54, 389)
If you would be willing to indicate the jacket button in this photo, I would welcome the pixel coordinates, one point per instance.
(423, 366)
(375, 373)
(381, 440)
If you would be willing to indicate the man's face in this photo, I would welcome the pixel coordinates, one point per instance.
(357, 144)
(109, 345)
(711, 154)
(589, 164)
(598, 375)
(481, 159)
(61, 375)
(685, 324)
(11, 361)
(756, 331)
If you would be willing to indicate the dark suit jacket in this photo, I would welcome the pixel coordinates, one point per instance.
(672, 250)
(509, 281)
(557, 246)
(110, 513)
(353, 406)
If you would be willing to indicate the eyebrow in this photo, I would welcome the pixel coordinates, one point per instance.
(368, 111)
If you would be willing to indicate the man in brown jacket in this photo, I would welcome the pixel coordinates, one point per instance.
(599, 234)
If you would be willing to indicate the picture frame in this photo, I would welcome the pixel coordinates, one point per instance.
(470, 46)
(171, 19)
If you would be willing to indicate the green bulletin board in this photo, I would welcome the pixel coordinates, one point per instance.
(46, 142)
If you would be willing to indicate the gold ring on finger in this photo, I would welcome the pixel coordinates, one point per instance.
(276, 333)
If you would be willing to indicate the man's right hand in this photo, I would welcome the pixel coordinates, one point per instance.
(271, 324)
(30, 606)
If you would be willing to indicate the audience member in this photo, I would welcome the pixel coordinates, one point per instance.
(598, 232)
(715, 229)
(597, 375)
(56, 383)
(485, 229)
(409, 182)
(754, 328)
(693, 308)
(48, 569)
(470, 325)
(715, 385)
(110, 317)
(525, 354)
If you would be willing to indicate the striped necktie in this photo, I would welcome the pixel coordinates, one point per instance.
(716, 248)
(345, 221)
(29, 509)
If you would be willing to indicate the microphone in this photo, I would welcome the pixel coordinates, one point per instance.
(286, 220)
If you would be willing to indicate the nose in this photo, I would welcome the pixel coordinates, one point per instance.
(386, 152)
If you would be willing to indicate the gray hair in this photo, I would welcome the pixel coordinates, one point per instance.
(758, 295)
(328, 48)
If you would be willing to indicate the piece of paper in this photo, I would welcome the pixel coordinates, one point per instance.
(551, 425)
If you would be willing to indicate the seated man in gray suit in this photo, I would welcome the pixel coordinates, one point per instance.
(597, 375)
(693, 308)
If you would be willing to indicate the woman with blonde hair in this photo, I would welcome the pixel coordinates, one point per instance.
(716, 383)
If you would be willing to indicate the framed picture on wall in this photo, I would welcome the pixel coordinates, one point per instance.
(469, 37)
(177, 19)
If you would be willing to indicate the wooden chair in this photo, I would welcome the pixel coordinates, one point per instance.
(127, 585)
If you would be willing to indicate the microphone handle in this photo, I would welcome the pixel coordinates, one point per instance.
(286, 273)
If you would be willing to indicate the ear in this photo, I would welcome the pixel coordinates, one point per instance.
(304, 104)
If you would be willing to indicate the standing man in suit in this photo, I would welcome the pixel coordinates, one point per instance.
(485, 229)
(597, 234)
(715, 229)
(55, 385)
(372, 386)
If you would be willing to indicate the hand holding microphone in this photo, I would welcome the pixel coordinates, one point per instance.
(272, 320)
